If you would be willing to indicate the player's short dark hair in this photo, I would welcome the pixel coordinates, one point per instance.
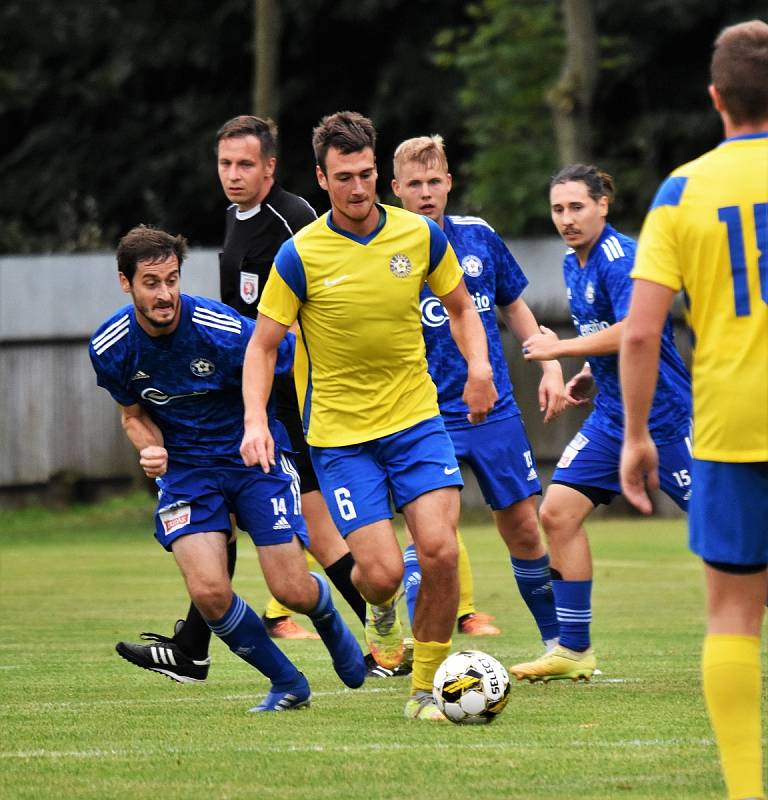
(345, 131)
(145, 243)
(739, 71)
(599, 184)
(265, 130)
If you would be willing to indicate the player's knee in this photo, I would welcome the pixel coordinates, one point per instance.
(383, 580)
(439, 554)
(298, 595)
(556, 523)
(212, 598)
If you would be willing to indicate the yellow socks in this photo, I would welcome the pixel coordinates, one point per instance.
(427, 657)
(731, 679)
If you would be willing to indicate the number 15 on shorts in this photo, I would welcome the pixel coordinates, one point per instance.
(344, 503)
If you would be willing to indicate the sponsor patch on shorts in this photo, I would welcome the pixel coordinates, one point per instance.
(175, 517)
(579, 442)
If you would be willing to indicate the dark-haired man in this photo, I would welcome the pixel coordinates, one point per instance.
(173, 363)
(352, 279)
(262, 215)
(596, 270)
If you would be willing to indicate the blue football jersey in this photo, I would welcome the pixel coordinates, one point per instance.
(599, 294)
(492, 277)
(189, 382)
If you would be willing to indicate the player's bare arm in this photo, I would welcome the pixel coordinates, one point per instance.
(520, 320)
(638, 369)
(468, 333)
(257, 446)
(146, 437)
(548, 345)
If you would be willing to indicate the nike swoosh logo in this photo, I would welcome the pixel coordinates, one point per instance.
(328, 282)
(450, 471)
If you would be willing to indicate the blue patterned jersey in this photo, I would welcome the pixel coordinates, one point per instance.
(492, 277)
(599, 295)
(189, 382)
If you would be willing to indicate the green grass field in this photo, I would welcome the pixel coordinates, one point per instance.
(79, 722)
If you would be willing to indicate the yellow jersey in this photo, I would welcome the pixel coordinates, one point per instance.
(707, 234)
(361, 367)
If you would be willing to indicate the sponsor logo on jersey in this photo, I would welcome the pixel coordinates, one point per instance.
(175, 517)
(152, 395)
(433, 313)
(450, 470)
(202, 367)
(593, 326)
(140, 376)
(282, 525)
(589, 293)
(249, 287)
(472, 266)
(400, 265)
(329, 282)
(532, 474)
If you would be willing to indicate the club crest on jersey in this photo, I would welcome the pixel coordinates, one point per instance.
(472, 266)
(249, 287)
(589, 293)
(400, 265)
(202, 367)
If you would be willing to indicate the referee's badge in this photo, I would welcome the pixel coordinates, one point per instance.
(249, 287)
(400, 265)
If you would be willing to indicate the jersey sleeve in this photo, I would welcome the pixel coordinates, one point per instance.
(108, 378)
(510, 279)
(657, 259)
(286, 287)
(617, 282)
(444, 272)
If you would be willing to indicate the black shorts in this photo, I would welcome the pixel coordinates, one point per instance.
(288, 413)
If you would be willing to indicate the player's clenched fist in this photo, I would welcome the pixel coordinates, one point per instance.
(153, 460)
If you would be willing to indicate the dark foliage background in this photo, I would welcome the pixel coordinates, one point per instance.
(108, 109)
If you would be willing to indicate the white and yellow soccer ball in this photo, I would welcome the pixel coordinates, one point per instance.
(471, 688)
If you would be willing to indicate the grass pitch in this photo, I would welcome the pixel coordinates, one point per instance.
(76, 721)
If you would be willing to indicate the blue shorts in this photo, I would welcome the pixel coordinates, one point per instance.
(200, 499)
(500, 456)
(358, 480)
(728, 522)
(591, 459)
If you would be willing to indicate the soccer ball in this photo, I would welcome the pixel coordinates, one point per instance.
(471, 688)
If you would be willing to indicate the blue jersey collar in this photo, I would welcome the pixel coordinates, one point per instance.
(359, 239)
(759, 135)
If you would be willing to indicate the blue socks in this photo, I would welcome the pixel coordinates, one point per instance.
(573, 600)
(411, 579)
(348, 659)
(533, 581)
(245, 635)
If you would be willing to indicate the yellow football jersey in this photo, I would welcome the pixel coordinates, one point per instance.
(361, 368)
(707, 233)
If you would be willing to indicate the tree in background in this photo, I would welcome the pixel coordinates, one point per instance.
(108, 110)
(624, 96)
